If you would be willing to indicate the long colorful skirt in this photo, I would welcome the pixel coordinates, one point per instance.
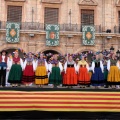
(15, 74)
(70, 78)
(97, 78)
(83, 76)
(114, 76)
(41, 77)
(55, 76)
(28, 75)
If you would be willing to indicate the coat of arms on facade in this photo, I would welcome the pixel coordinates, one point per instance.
(88, 35)
(52, 35)
(12, 32)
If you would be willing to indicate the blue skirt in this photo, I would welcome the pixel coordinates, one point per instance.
(97, 78)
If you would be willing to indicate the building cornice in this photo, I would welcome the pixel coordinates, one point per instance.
(52, 1)
(15, 0)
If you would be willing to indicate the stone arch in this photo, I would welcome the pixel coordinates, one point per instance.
(11, 50)
(85, 49)
(59, 50)
(11, 46)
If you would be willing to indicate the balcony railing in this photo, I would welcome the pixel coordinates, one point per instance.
(40, 26)
(116, 29)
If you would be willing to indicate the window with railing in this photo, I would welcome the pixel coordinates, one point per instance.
(51, 15)
(14, 13)
(87, 17)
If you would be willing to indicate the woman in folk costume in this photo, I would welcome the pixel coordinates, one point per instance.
(113, 69)
(55, 69)
(97, 78)
(70, 77)
(83, 73)
(41, 73)
(15, 66)
(29, 67)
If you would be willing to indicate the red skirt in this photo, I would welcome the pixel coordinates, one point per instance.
(28, 75)
(70, 78)
(83, 76)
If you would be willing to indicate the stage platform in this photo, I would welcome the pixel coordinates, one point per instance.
(59, 103)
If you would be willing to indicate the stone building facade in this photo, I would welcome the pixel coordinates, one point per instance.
(71, 16)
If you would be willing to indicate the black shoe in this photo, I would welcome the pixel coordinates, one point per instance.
(106, 87)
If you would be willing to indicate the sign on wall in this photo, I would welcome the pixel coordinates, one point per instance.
(88, 35)
(12, 32)
(52, 35)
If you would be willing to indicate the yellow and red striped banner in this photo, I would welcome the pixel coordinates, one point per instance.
(60, 101)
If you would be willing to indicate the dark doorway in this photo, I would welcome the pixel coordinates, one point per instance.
(50, 51)
(11, 50)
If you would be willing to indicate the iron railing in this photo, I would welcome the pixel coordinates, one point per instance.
(41, 26)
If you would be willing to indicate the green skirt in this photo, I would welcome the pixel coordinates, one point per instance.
(105, 75)
(15, 74)
(55, 77)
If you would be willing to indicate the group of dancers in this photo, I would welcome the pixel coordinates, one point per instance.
(69, 72)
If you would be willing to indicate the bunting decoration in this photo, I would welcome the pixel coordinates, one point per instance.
(52, 35)
(12, 32)
(60, 101)
(88, 35)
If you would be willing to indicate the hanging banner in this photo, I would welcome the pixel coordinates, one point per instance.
(88, 35)
(12, 32)
(52, 35)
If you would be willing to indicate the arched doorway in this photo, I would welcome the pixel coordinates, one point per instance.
(50, 51)
(11, 50)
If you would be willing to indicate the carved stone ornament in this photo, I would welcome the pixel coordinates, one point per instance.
(88, 2)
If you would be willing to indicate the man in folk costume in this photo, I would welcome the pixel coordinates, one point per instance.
(76, 66)
(55, 69)
(3, 67)
(41, 73)
(49, 59)
(76, 62)
(7, 72)
(15, 66)
(113, 69)
(29, 68)
(83, 72)
(118, 64)
(98, 72)
(70, 77)
(63, 61)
